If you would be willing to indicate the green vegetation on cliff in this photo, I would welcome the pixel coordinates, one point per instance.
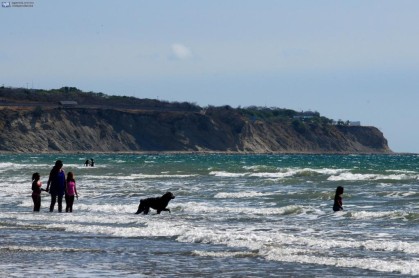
(34, 121)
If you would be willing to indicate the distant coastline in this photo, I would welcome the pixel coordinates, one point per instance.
(70, 121)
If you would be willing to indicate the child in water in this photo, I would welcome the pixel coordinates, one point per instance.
(36, 191)
(337, 206)
(70, 192)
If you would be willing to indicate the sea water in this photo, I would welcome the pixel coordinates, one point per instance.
(233, 216)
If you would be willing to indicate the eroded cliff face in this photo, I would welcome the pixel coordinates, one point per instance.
(101, 130)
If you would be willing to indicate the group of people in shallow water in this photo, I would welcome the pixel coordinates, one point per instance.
(90, 162)
(57, 186)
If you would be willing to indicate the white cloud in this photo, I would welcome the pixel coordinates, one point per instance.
(181, 52)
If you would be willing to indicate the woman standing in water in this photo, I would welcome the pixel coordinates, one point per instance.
(56, 185)
(338, 204)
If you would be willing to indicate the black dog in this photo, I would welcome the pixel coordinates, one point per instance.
(158, 203)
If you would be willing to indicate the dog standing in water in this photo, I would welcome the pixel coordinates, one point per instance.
(157, 203)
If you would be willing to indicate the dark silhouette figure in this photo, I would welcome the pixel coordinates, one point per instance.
(36, 191)
(56, 185)
(86, 163)
(158, 203)
(92, 162)
(70, 192)
(338, 204)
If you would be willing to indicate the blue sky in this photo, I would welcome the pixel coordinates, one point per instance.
(350, 60)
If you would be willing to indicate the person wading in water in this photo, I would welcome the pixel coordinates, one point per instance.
(56, 185)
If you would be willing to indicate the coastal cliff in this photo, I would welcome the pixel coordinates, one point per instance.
(36, 123)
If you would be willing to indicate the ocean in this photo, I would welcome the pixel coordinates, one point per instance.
(233, 216)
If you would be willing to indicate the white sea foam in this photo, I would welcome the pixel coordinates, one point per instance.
(401, 266)
(4, 166)
(143, 227)
(107, 209)
(375, 215)
(278, 246)
(309, 171)
(227, 254)
(227, 174)
(268, 242)
(324, 171)
(399, 194)
(152, 176)
(254, 167)
(402, 171)
(350, 176)
(199, 208)
(278, 175)
(251, 194)
(282, 173)
(21, 248)
(271, 175)
(362, 177)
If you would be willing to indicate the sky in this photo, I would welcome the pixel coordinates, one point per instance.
(354, 60)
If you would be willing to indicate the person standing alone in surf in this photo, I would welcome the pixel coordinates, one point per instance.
(338, 204)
